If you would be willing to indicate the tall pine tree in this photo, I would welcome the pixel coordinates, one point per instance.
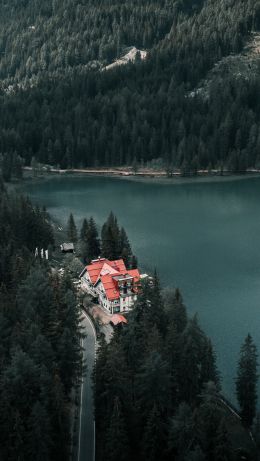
(72, 232)
(247, 380)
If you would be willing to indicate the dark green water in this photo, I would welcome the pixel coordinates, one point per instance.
(202, 237)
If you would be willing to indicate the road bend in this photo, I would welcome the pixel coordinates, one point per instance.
(86, 447)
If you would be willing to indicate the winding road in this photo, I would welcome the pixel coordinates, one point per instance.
(86, 447)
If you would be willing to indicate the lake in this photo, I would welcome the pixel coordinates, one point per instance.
(203, 237)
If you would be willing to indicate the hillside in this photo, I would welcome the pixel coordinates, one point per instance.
(57, 105)
(39, 38)
(241, 66)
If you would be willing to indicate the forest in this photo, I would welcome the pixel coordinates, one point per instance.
(158, 389)
(111, 242)
(40, 352)
(59, 107)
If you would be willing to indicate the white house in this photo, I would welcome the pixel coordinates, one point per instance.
(115, 287)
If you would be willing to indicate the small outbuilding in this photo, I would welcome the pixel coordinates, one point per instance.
(67, 248)
(116, 319)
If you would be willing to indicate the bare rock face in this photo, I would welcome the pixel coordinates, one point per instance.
(130, 56)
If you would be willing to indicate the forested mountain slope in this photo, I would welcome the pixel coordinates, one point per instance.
(236, 66)
(47, 37)
(56, 105)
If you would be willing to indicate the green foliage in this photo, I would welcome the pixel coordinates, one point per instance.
(153, 382)
(23, 229)
(154, 436)
(116, 446)
(84, 230)
(176, 310)
(40, 353)
(114, 242)
(209, 419)
(11, 166)
(247, 380)
(92, 240)
(59, 108)
(163, 378)
(72, 233)
(181, 431)
(110, 236)
(125, 247)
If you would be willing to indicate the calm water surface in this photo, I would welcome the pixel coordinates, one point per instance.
(202, 237)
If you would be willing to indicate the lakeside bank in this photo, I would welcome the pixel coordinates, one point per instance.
(144, 176)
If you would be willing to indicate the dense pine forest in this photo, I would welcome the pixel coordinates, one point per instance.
(40, 354)
(158, 390)
(112, 242)
(59, 107)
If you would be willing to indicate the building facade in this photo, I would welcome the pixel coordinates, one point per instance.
(115, 287)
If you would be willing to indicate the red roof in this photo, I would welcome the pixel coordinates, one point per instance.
(106, 271)
(117, 318)
(134, 273)
(94, 269)
(110, 287)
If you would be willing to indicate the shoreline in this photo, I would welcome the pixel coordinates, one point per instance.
(141, 173)
(144, 176)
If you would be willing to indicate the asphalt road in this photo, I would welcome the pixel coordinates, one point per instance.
(86, 449)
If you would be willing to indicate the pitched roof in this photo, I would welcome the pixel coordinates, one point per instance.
(103, 266)
(134, 273)
(108, 273)
(110, 283)
(110, 287)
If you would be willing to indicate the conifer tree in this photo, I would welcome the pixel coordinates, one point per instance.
(39, 435)
(173, 348)
(134, 262)
(117, 444)
(246, 380)
(110, 236)
(84, 230)
(72, 233)
(209, 417)
(209, 370)
(125, 248)
(181, 431)
(99, 374)
(153, 442)
(35, 301)
(153, 383)
(223, 447)
(115, 375)
(93, 242)
(60, 421)
(7, 165)
(176, 310)
(155, 314)
(17, 167)
(191, 347)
